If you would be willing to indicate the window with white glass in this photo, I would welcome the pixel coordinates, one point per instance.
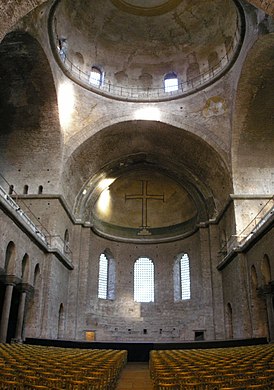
(144, 280)
(106, 280)
(171, 82)
(96, 77)
(181, 274)
(185, 277)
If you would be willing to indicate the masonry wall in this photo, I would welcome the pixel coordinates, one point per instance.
(164, 319)
(51, 214)
(242, 290)
(243, 284)
(46, 291)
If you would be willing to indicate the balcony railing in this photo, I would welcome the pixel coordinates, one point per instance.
(56, 242)
(22, 215)
(137, 93)
(238, 240)
(51, 241)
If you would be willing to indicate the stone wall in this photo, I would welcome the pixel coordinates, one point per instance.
(243, 284)
(164, 319)
(36, 270)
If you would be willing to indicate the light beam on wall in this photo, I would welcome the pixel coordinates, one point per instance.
(105, 183)
(65, 103)
(148, 113)
(104, 200)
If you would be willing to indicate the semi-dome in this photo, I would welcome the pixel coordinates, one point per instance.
(146, 50)
(142, 204)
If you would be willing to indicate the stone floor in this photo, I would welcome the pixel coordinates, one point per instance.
(135, 376)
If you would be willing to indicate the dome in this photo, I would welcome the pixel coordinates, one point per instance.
(120, 48)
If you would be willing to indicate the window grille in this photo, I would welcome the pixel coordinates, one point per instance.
(144, 280)
(185, 277)
(171, 82)
(103, 277)
(95, 77)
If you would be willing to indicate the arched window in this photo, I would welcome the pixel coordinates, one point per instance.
(185, 276)
(106, 280)
(266, 270)
(25, 269)
(171, 82)
(181, 278)
(254, 278)
(11, 189)
(61, 322)
(96, 77)
(10, 257)
(144, 280)
(37, 275)
(62, 48)
(229, 321)
(40, 190)
(26, 189)
(66, 242)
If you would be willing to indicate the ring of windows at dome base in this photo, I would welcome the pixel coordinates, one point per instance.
(110, 70)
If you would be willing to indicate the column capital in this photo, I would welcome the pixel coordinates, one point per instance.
(267, 289)
(25, 287)
(11, 280)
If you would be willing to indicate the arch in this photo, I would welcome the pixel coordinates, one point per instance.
(11, 189)
(252, 125)
(254, 277)
(79, 59)
(146, 80)
(28, 73)
(136, 142)
(144, 280)
(36, 276)
(128, 119)
(33, 314)
(193, 75)
(213, 61)
(96, 76)
(266, 269)
(181, 278)
(62, 48)
(66, 242)
(61, 322)
(25, 268)
(229, 321)
(106, 276)
(9, 19)
(40, 190)
(171, 82)
(10, 258)
(258, 305)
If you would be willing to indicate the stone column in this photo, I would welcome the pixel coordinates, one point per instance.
(270, 313)
(25, 288)
(10, 282)
(267, 292)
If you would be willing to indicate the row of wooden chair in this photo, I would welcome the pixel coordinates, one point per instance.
(249, 367)
(39, 367)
